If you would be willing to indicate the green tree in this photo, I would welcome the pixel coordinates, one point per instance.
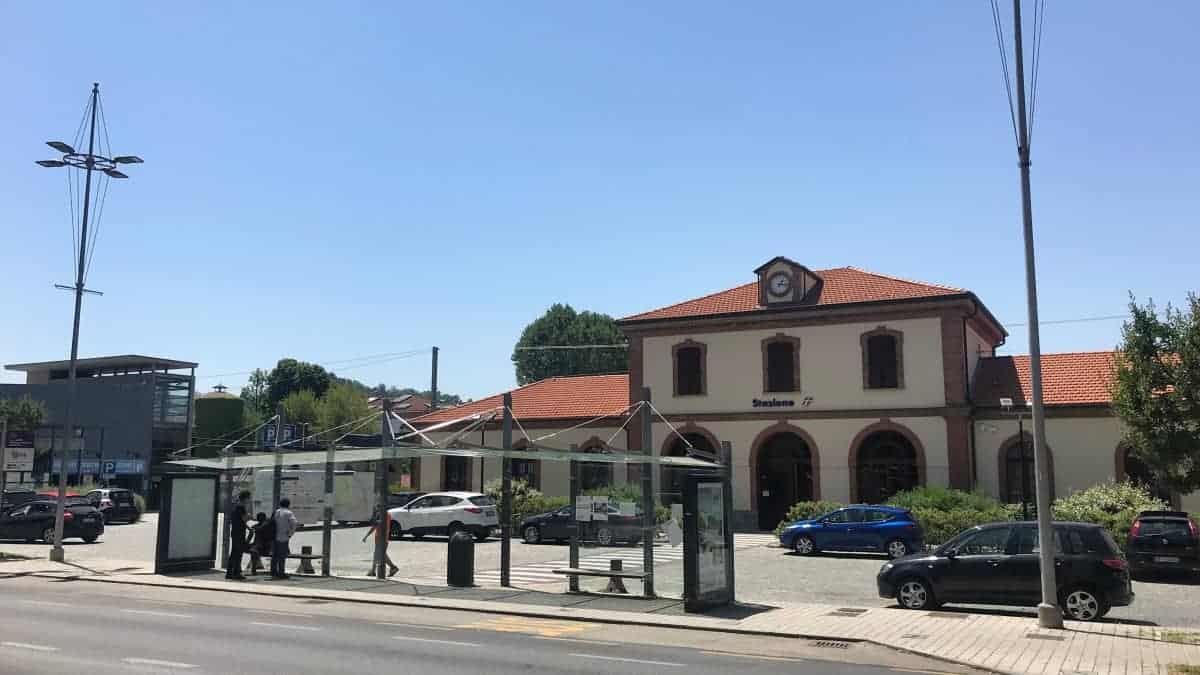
(23, 414)
(1156, 391)
(289, 376)
(562, 326)
(301, 407)
(343, 404)
(254, 394)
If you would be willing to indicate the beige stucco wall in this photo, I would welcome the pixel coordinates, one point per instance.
(830, 369)
(555, 476)
(1084, 450)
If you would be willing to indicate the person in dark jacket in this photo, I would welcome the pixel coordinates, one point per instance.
(263, 542)
(239, 515)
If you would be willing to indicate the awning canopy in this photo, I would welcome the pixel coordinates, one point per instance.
(350, 455)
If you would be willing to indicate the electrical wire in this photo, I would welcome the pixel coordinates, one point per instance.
(1086, 319)
(999, 28)
(392, 356)
(1039, 21)
(550, 347)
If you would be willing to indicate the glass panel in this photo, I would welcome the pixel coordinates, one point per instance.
(689, 371)
(987, 542)
(781, 367)
(882, 362)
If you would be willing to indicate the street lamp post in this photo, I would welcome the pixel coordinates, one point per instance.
(89, 163)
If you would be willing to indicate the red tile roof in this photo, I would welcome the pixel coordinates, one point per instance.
(1076, 378)
(576, 397)
(841, 285)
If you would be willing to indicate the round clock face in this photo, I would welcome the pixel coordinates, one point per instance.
(779, 284)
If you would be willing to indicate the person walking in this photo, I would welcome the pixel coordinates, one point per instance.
(382, 527)
(238, 516)
(285, 527)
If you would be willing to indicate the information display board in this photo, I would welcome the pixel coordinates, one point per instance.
(187, 523)
(707, 544)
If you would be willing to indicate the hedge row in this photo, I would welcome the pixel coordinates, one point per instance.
(944, 513)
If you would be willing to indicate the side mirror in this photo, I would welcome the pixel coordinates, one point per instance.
(952, 553)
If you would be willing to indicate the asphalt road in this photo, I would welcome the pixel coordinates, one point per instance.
(57, 627)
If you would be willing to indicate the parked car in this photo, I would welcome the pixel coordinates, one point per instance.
(445, 513)
(1164, 541)
(115, 504)
(998, 564)
(557, 526)
(884, 529)
(35, 520)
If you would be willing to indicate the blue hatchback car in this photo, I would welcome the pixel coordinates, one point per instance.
(882, 529)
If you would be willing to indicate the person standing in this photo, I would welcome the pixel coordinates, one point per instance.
(263, 542)
(285, 527)
(239, 515)
(382, 527)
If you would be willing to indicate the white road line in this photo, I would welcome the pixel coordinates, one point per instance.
(282, 625)
(278, 612)
(160, 664)
(617, 658)
(153, 612)
(436, 642)
(413, 625)
(26, 645)
(47, 603)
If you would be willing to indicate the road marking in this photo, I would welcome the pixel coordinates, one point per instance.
(413, 625)
(47, 603)
(436, 642)
(26, 645)
(276, 612)
(669, 664)
(747, 656)
(153, 612)
(599, 643)
(156, 662)
(542, 627)
(282, 625)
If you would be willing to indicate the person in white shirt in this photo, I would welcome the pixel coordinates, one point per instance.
(285, 527)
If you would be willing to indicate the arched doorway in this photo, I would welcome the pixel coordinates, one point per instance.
(886, 464)
(1138, 473)
(785, 476)
(670, 485)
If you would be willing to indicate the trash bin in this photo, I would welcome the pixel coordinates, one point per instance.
(460, 560)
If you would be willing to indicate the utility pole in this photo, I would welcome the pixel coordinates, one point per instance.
(89, 163)
(1049, 613)
(277, 474)
(382, 526)
(433, 390)
(506, 494)
(4, 456)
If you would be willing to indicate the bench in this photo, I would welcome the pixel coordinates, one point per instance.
(306, 558)
(615, 575)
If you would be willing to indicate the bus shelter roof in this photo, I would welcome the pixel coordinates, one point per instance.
(266, 460)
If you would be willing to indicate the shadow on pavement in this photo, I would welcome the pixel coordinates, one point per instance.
(1018, 612)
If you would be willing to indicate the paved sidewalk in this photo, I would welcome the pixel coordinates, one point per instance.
(991, 642)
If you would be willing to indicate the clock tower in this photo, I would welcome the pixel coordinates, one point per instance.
(785, 282)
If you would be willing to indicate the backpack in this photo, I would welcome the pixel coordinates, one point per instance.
(266, 531)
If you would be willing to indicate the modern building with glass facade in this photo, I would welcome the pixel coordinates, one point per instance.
(131, 413)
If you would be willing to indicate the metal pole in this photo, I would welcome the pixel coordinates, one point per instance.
(381, 492)
(573, 555)
(79, 458)
(1024, 473)
(57, 554)
(648, 511)
(227, 504)
(330, 497)
(433, 390)
(506, 494)
(277, 474)
(3, 456)
(727, 494)
(1049, 614)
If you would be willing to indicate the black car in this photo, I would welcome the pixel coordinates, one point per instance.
(115, 504)
(557, 526)
(35, 520)
(997, 564)
(1161, 541)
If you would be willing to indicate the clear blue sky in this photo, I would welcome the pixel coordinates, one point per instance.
(332, 180)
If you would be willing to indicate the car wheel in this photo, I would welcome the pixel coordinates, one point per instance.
(90, 539)
(804, 545)
(915, 594)
(1083, 604)
(532, 535)
(896, 548)
(604, 536)
(48, 535)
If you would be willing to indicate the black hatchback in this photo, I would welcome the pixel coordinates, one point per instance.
(1162, 541)
(35, 520)
(997, 564)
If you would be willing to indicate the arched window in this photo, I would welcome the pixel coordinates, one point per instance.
(886, 464)
(1019, 481)
(785, 476)
(595, 475)
(689, 359)
(883, 359)
(527, 470)
(781, 363)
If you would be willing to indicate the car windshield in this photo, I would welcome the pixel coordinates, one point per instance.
(482, 500)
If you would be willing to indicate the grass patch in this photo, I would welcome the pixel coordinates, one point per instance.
(1183, 669)
(1182, 637)
(6, 557)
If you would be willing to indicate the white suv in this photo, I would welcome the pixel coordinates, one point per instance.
(445, 513)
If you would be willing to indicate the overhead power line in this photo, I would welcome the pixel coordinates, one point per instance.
(368, 360)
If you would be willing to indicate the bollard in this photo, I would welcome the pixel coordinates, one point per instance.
(460, 560)
(306, 563)
(615, 584)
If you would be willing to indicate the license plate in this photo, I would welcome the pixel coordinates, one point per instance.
(489, 513)
(1166, 559)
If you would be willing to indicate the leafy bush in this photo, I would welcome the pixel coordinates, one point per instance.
(527, 501)
(943, 512)
(1112, 505)
(806, 511)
